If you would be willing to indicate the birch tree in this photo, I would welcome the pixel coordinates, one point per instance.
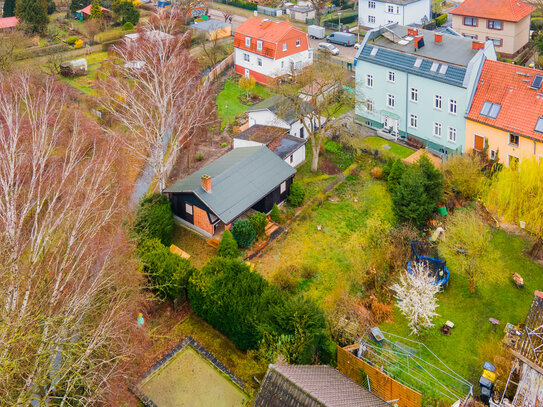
(327, 83)
(63, 312)
(156, 99)
(415, 293)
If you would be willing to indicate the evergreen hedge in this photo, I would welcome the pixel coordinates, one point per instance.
(244, 232)
(154, 219)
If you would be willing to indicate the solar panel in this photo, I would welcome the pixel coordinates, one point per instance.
(539, 125)
(536, 83)
(418, 62)
(486, 108)
(443, 69)
(374, 51)
(434, 67)
(494, 110)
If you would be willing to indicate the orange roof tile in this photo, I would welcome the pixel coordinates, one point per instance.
(8, 22)
(271, 31)
(505, 10)
(87, 10)
(508, 85)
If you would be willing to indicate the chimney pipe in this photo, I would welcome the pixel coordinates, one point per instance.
(206, 182)
(477, 45)
(438, 37)
(412, 32)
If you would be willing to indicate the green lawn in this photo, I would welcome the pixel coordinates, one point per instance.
(397, 149)
(472, 337)
(84, 83)
(228, 104)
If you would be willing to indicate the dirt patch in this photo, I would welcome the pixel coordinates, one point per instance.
(327, 166)
(253, 100)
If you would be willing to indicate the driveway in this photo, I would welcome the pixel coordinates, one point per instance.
(345, 53)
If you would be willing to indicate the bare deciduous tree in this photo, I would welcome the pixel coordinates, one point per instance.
(156, 98)
(326, 82)
(63, 313)
(92, 27)
(9, 43)
(227, 14)
(415, 293)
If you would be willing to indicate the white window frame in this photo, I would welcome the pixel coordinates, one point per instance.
(438, 98)
(390, 9)
(259, 61)
(414, 95)
(391, 77)
(453, 106)
(451, 130)
(259, 45)
(283, 187)
(246, 57)
(369, 81)
(371, 4)
(390, 97)
(248, 42)
(298, 42)
(284, 46)
(188, 208)
(435, 126)
(369, 105)
(371, 19)
(413, 121)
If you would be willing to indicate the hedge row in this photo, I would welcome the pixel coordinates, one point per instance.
(111, 35)
(41, 51)
(240, 3)
(345, 19)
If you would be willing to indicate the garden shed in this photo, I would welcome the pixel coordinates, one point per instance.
(75, 67)
(214, 29)
(85, 12)
(222, 191)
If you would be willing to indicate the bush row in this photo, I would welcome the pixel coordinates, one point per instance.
(240, 3)
(41, 51)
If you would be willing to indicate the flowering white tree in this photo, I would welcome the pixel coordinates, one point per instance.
(155, 96)
(415, 293)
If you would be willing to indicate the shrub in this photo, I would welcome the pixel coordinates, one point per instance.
(433, 180)
(259, 221)
(108, 36)
(396, 172)
(199, 157)
(228, 246)
(71, 40)
(296, 195)
(333, 146)
(168, 273)
(285, 279)
(536, 24)
(442, 19)
(464, 176)
(154, 219)
(376, 172)
(244, 232)
(410, 201)
(78, 44)
(128, 26)
(275, 214)
(387, 167)
(307, 271)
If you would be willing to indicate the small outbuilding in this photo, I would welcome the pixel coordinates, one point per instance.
(85, 12)
(8, 23)
(301, 13)
(74, 68)
(214, 29)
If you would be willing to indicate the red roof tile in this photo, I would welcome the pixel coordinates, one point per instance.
(505, 10)
(8, 22)
(87, 10)
(508, 85)
(271, 31)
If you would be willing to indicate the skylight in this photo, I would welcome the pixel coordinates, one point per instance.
(434, 67)
(443, 69)
(374, 51)
(490, 110)
(536, 83)
(539, 125)
(418, 62)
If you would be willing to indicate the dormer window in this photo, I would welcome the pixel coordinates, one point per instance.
(248, 42)
(284, 46)
(259, 45)
(298, 42)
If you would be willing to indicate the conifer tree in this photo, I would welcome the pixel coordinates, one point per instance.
(396, 173)
(96, 11)
(33, 13)
(9, 8)
(228, 247)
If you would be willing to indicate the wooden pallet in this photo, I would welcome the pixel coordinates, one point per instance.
(214, 242)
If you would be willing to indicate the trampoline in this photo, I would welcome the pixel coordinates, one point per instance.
(438, 268)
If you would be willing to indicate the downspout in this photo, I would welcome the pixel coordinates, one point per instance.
(406, 102)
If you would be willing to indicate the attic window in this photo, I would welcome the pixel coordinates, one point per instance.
(536, 83)
(418, 63)
(248, 42)
(434, 67)
(374, 51)
(443, 69)
(539, 125)
(490, 110)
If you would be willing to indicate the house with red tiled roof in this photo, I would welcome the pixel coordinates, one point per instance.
(85, 12)
(8, 23)
(504, 22)
(266, 49)
(505, 118)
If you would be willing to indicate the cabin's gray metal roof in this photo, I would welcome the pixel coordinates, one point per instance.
(452, 50)
(276, 139)
(406, 62)
(239, 179)
(210, 25)
(313, 386)
(281, 107)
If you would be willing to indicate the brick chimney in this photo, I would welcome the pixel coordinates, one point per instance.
(477, 45)
(438, 37)
(412, 32)
(206, 182)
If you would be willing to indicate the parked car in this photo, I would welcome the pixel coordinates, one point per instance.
(316, 31)
(345, 39)
(323, 46)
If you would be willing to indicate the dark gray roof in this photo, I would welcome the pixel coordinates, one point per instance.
(210, 25)
(239, 179)
(302, 9)
(453, 50)
(287, 145)
(406, 62)
(279, 105)
(275, 138)
(398, 1)
(312, 386)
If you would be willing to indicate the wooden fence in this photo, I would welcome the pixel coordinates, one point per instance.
(384, 386)
(219, 68)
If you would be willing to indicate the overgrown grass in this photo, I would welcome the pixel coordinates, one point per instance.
(463, 350)
(84, 83)
(228, 103)
(397, 149)
(194, 244)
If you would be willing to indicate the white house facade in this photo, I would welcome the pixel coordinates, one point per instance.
(376, 13)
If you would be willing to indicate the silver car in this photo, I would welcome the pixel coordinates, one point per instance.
(323, 46)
